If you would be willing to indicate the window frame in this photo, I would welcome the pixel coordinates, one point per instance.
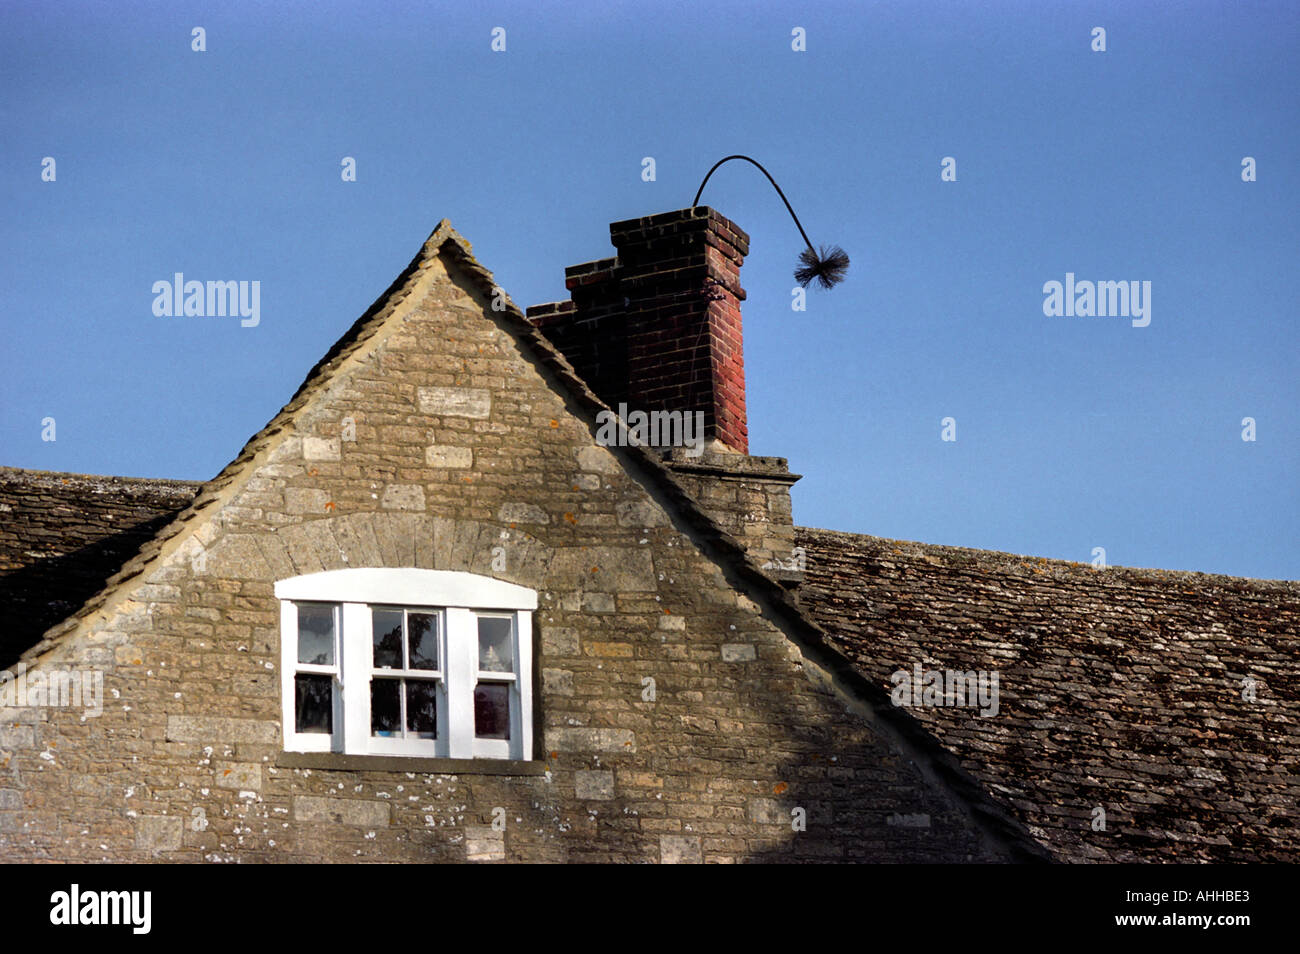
(458, 599)
(489, 747)
(388, 745)
(313, 741)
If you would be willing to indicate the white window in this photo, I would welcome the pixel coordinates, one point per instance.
(409, 662)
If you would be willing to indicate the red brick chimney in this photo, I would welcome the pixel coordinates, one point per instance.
(658, 326)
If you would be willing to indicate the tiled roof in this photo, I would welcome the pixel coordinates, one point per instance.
(63, 535)
(1119, 688)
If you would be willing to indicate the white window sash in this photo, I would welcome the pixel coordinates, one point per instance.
(367, 589)
(425, 748)
(295, 741)
(520, 743)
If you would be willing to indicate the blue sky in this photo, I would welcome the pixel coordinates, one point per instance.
(1072, 432)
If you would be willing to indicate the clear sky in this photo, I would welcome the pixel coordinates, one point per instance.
(1072, 432)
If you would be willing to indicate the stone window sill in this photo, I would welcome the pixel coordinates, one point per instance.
(336, 761)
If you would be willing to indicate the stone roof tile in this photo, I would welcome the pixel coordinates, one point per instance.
(1121, 688)
(63, 535)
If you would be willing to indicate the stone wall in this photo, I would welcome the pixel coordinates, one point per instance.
(750, 498)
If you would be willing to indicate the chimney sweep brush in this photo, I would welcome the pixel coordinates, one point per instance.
(826, 265)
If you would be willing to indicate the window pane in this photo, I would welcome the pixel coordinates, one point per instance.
(385, 707)
(495, 654)
(422, 708)
(422, 631)
(492, 711)
(314, 706)
(386, 629)
(316, 634)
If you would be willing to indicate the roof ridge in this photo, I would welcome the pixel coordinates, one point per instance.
(1161, 574)
(30, 473)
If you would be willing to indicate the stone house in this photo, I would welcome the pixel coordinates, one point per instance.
(426, 615)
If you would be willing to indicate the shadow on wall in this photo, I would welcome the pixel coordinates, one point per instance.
(846, 797)
(783, 774)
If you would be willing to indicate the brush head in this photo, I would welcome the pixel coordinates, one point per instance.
(827, 266)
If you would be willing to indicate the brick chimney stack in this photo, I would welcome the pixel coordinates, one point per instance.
(658, 328)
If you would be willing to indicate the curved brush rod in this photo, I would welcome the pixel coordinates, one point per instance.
(827, 265)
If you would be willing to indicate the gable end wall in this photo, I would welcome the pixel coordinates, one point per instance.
(461, 446)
